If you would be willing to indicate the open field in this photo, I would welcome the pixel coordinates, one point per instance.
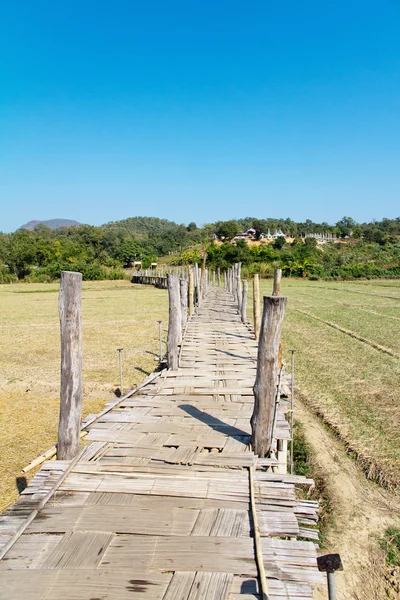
(114, 314)
(347, 341)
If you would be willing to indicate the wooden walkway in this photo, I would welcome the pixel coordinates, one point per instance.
(158, 505)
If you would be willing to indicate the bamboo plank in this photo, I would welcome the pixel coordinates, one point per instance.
(180, 585)
(79, 550)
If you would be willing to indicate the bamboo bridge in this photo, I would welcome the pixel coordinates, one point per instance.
(167, 501)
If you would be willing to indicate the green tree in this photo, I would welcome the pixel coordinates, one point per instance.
(227, 230)
(21, 252)
(279, 242)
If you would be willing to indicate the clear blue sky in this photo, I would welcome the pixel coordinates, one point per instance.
(199, 110)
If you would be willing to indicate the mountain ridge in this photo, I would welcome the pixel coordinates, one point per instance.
(51, 223)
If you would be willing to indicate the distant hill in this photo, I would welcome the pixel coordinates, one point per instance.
(51, 223)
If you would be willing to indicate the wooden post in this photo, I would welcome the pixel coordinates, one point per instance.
(174, 323)
(277, 292)
(282, 455)
(69, 306)
(219, 276)
(256, 305)
(197, 284)
(205, 283)
(239, 286)
(244, 301)
(184, 302)
(265, 387)
(191, 292)
(203, 272)
(277, 282)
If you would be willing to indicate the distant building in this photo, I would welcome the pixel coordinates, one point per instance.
(250, 234)
(322, 238)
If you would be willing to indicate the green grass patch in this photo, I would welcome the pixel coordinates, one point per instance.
(305, 465)
(390, 544)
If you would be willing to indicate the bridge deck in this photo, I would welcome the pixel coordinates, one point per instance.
(158, 505)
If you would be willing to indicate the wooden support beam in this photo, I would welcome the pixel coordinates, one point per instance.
(239, 286)
(256, 305)
(203, 273)
(277, 282)
(277, 292)
(243, 308)
(70, 310)
(282, 455)
(265, 387)
(174, 322)
(197, 284)
(191, 291)
(184, 301)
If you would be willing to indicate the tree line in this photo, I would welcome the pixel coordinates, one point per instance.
(368, 249)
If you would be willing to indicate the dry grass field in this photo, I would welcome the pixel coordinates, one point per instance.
(352, 382)
(115, 314)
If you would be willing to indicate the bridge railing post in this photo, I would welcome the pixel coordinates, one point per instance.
(239, 286)
(256, 305)
(184, 301)
(70, 312)
(243, 307)
(174, 321)
(197, 284)
(276, 291)
(191, 291)
(265, 387)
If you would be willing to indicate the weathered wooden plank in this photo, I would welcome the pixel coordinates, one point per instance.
(166, 520)
(180, 586)
(83, 584)
(79, 550)
(30, 552)
(210, 586)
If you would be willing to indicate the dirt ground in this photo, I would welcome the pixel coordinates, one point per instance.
(362, 511)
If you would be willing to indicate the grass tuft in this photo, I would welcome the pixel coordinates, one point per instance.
(390, 543)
